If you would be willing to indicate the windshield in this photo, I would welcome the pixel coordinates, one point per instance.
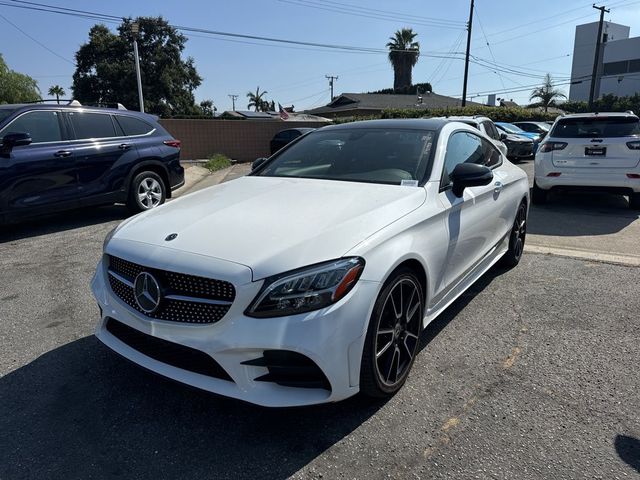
(507, 127)
(601, 127)
(373, 155)
(5, 112)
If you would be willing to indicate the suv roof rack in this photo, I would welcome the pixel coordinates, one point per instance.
(75, 103)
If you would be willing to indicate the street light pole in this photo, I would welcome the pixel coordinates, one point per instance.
(135, 29)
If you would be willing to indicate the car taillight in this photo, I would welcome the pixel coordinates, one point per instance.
(554, 174)
(634, 145)
(635, 176)
(173, 143)
(551, 146)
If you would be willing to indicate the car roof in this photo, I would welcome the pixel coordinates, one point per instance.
(599, 114)
(79, 108)
(399, 123)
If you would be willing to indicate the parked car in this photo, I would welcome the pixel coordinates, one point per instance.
(590, 151)
(541, 128)
(311, 279)
(514, 149)
(486, 126)
(284, 137)
(56, 157)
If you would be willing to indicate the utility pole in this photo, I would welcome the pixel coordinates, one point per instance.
(331, 79)
(233, 101)
(135, 30)
(466, 59)
(596, 59)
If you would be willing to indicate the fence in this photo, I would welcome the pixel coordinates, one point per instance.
(242, 140)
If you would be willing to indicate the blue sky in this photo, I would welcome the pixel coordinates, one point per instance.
(532, 37)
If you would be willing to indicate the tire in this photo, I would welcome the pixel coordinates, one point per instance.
(147, 191)
(517, 238)
(634, 201)
(538, 195)
(391, 343)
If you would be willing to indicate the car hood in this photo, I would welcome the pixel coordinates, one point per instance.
(273, 224)
(517, 138)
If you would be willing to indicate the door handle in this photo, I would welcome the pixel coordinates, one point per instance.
(497, 187)
(62, 153)
(124, 146)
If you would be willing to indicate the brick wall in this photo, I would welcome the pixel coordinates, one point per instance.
(242, 140)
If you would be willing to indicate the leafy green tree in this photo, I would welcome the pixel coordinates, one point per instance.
(16, 87)
(404, 53)
(207, 108)
(105, 71)
(547, 93)
(257, 100)
(57, 91)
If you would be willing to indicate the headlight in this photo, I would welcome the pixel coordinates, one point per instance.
(306, 289)
(108, 237)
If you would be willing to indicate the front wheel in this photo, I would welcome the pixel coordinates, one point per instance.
(516, 238)
(634, 201)
(393, 335)
(147, 191)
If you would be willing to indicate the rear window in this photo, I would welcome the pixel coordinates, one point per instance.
(133, 126)
(597, 127)
(92, 125)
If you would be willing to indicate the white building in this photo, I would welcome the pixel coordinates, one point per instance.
(618, 66)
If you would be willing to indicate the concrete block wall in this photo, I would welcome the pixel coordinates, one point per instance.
(242, 140)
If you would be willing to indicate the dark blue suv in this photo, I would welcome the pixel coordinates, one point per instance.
(55, 157)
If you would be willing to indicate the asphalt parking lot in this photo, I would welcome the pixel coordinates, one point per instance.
(533, 373)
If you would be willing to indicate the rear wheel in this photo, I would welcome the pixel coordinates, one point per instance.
(538, 195)
(516, 238)
(147, 191)
(634, 201)
(393, 335)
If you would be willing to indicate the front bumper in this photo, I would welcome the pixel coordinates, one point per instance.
(332, 338)
(520, 150)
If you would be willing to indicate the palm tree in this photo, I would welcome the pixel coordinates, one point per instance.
(404, 53)
(547, 93)
(58, 91)
(256, 100)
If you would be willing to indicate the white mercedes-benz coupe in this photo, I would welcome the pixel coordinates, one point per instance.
(311, 279)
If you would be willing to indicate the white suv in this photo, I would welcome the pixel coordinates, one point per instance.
(590, 151)
(486, 126)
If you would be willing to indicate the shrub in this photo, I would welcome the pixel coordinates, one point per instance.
(217, 161)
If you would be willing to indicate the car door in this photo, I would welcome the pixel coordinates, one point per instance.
(102, 154)
(472, 220)
(41, 176)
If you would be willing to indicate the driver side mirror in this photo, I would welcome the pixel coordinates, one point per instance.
(469, 175)
(12, 140)
(257, 163)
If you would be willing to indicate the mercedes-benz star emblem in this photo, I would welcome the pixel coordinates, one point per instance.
(147, 292)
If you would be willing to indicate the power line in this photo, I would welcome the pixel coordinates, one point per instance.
(489, 45)
(36, 41)
(370, 13)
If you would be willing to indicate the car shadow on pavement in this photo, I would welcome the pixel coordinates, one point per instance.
(450, 313)
(628, 449)
(61, 222)
(80, 411)
(581, 214)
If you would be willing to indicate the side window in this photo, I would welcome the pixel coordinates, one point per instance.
(491, 130)
(463, 147)
(133, 126)
(43, 126)
(92, 125)
(491, 154)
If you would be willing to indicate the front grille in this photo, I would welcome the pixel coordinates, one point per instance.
(185, 298)
(173, 354)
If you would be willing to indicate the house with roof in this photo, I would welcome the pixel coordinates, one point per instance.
(369, 104)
